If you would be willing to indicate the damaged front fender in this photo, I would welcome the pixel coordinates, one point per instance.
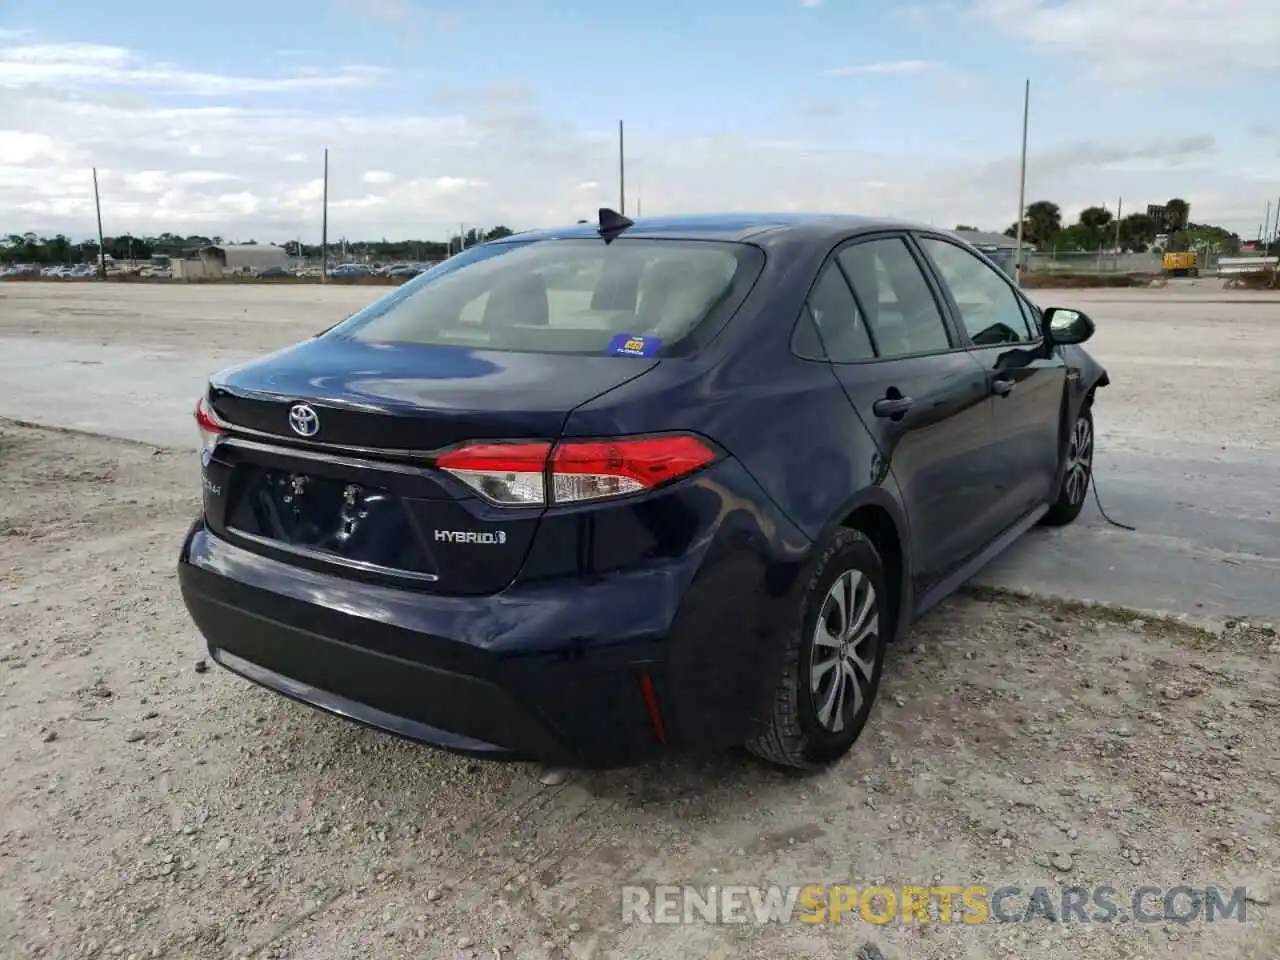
(1084, 372)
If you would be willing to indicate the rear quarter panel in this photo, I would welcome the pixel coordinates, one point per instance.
(786, 420)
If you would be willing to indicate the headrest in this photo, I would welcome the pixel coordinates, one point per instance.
(677, 289)
(522, 300)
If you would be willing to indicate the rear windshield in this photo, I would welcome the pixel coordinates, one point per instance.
(631, 297)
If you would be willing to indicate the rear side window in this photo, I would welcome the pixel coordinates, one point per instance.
(836, 318)
(896, 300)
(631, 297)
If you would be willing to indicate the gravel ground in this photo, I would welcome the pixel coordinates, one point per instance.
(153, 806)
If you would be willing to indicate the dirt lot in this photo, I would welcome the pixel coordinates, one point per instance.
(152, 806)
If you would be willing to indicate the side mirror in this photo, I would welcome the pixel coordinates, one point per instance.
(1062, 326)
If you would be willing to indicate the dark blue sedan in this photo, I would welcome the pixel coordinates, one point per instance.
(582, 495)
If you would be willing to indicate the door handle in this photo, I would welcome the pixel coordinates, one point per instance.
(891, 406)
(1002, 386)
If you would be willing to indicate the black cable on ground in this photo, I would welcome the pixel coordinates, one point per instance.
(1098, 501)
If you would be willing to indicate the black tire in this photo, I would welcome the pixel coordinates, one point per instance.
(795, 736)
(1078, 474)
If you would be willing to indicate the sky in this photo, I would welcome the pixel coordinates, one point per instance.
(213, 118)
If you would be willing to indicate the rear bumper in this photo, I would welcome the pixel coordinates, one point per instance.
(367, 653)
(568, 673)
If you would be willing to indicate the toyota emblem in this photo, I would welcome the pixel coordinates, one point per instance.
(304, 420)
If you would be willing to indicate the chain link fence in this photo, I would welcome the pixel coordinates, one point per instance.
(1097, 262)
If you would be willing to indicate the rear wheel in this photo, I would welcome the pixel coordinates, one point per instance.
(1078, 474)
(834, 658)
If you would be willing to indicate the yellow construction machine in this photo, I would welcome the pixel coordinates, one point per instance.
(1184, 264)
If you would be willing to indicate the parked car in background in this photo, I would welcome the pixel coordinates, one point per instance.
(351, 270)
(588, 494)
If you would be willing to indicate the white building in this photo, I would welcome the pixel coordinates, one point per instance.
(243, 258)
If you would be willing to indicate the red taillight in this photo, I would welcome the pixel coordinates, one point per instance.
(610, 468)
(515, 474)
(209, 425)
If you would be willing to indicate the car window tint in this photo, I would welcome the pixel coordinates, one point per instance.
(1034, 317)
(897, 304)
(835, 314)
(805, 341)
(989, 308)
(561, 296)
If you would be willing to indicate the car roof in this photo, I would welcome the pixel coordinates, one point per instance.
(732, 227)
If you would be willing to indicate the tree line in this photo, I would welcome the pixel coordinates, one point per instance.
(1097, 229)
(59, 249)
(1043, 228)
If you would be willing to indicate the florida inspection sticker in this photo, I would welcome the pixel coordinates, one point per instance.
(629, 345)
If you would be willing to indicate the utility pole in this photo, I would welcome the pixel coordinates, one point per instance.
(324, 224)
(622, 174)
(1266, 228)
(102, 249)
(1022, 178)
(1119, 207)
(1275, 234)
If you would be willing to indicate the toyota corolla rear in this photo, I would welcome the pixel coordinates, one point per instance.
(405, 522)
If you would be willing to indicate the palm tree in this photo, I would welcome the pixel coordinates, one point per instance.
(1095, 218)
(1177, 213)
(1044, 219)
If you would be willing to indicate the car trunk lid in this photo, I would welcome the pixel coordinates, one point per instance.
(349, 483)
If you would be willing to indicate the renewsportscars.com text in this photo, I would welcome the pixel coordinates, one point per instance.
(973, 904)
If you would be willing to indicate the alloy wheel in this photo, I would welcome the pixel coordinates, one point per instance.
(1079, 460)
(844, 647)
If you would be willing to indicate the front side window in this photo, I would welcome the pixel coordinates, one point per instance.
(634, 296)
(989, 308)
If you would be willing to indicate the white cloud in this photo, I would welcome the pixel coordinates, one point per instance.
(1188, 41)
(162, 181)
(147, 181)
(18, 148)
(45, 53)
(256, 171)
(888, 67)
(197, 178)
(96, 65)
